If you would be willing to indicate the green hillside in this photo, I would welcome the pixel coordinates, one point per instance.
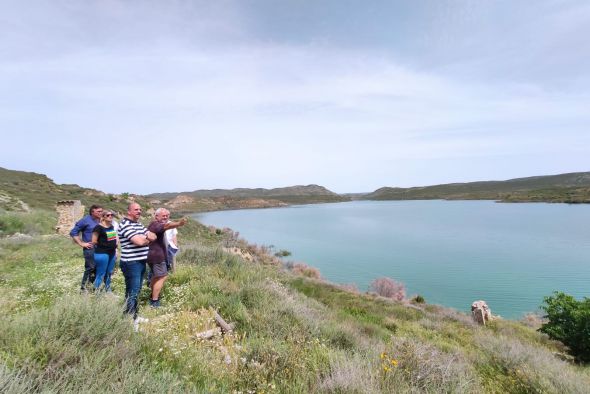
(292, 333)
(570, 188)
(290, 195)
(20, 190)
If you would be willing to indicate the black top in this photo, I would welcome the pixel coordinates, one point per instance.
(107, 240)
(157, 253)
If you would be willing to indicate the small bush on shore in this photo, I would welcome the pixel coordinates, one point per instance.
(389, 288)
(282, 253)
(418, 299)
(305, 270)
(569, 322)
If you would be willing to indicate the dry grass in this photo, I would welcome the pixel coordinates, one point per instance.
(305, 270)
(532, 368)
(426, 368)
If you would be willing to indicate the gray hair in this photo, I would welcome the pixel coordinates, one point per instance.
(161, 210)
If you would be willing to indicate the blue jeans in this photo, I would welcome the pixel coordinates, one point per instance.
(88, 267)
(105, 264)
(133, 272)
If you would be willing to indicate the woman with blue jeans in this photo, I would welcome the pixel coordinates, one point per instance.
(104, 237)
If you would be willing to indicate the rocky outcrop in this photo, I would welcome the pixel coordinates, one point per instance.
(480, 312)
(180, 201)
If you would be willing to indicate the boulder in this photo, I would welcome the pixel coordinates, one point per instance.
(481, 313)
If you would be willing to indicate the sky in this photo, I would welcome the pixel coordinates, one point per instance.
(171, 96)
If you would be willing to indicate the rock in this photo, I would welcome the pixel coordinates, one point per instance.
(480, 312)
(19, 238)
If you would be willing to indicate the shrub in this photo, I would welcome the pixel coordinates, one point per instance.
(569, 322)
(533, 320)
(419, 299)
(387, 287)
(283, 253)
(305, 270)
(349, 287)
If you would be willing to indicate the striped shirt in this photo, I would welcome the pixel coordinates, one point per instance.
(129, 251)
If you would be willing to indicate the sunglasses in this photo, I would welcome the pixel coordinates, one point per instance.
(108, 215)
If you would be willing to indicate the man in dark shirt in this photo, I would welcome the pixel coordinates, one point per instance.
(157, 255)
(82, 235)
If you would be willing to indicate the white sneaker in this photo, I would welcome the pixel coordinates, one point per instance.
(139, 320)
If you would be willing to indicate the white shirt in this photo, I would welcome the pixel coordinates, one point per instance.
(169, 237)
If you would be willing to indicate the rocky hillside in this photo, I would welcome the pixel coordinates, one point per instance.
(21, 191)
(570, 188)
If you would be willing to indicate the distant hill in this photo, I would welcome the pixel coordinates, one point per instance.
(570, 188)
(21, 191)
(249, 198)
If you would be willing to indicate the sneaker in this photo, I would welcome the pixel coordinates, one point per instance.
(140, 320)
(155, 303)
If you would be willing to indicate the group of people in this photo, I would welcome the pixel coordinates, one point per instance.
(155, 246)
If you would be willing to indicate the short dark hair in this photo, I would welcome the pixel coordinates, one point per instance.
(93, 208)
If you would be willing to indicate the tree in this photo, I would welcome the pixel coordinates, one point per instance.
(569, 322)
(387, 287)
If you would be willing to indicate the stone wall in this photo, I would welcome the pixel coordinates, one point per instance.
(69, 212)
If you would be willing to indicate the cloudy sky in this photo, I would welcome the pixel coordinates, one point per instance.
(153, 96)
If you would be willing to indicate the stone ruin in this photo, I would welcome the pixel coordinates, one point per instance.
(69, 212)
(481, 312)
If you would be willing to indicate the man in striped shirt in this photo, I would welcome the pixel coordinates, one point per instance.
(135, 240)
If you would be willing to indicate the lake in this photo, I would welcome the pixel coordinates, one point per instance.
(450, 252)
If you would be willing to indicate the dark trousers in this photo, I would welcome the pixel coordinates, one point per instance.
(89, 268)
(133, 272)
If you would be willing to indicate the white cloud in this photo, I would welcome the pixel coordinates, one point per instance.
(215, 106)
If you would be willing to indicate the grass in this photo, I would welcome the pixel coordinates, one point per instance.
(33, 223)
(293, 333)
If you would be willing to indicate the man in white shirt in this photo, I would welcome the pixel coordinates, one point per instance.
(171, 247)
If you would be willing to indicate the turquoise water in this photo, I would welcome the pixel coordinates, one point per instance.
(450, 252)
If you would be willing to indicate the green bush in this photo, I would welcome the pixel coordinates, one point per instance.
(419, 299)
(283, 253)
(569, 322)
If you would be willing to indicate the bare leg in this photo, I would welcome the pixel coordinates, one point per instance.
(157, 284)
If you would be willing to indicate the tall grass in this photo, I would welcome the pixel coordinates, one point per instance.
(80, 344)
(529, 368)
(32, 223)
